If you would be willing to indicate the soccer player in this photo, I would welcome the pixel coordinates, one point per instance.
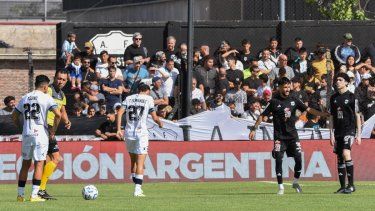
(137, 108)
(283, 107)
(33, 107)
(347, 125)
(53, 158)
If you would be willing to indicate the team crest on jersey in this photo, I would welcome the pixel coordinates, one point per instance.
(346, 101)
(292, 103)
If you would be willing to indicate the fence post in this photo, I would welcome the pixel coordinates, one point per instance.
(282, 10)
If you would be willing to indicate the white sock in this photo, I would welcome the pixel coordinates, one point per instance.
(21, 191)
(133, 175)
(295, 181)
(138, 187)
(281, 186)
(35, 190)
(139, 176)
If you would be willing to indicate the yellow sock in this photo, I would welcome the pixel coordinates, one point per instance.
(48, 170)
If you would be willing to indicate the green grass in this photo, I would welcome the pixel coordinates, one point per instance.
(199, 196)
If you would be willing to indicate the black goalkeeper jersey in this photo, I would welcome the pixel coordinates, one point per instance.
(343, 108)
(284, 116)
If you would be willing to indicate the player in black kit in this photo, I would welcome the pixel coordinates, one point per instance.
(346, 120)
(283, 107)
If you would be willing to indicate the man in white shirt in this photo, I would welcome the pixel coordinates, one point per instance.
(137, 108)
(34, 107)
(101, 68)
(266, 64)
(197, 93)
(169, 75)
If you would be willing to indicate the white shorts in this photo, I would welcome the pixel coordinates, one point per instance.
(34, 147)
(137, 145)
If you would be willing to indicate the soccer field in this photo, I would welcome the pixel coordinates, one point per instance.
(199, 196)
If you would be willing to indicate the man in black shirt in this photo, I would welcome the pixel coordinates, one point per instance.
(136, 49)
(283, 106)
(346, 120)
(107, 130)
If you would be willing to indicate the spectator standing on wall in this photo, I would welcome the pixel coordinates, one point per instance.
(112, 88)
(67, 48)
(136, 49)
(10, 104)
(347, 49)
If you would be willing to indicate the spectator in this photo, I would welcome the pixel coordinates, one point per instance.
(319, 65)
(89, 53)
(238, 96)
(171, 52)
(293, 53)
(301, 67)
(102, 110)
(312, 121)
(169, 76)
(209, 73)
(79, 102)
(91, 112)
(361, 91)
(136, 49)
(67, 48)
(10, 104)
(93, 97)
(233, 75)
(299, 93)
(88, 74)
(108, 129)
(367, 106)
(347, 49)
(263, 86)
(274, 49)
(282, 73)
(218, 102)
(158, 63)
(254, 111)
(224, 52)
(134, 75)
(163, 111)
(197, 93)
(322, 91)
(312, 83)
(112, 88)
(252, 83)
(267, 95)
(157, 93)
(351, 85)
(77, 110)
(204, 51)
(232, 108)
(283, 63)
(245, 55)
(101, 68)
(182, 54)
(266, 64)
(222, 83)
(112, 60)
(75, 73)
(196, 106)
(369, 51)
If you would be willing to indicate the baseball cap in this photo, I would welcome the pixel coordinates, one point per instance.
(94, 87)
(137, 34)
(88, 45)
(366, 76)
(156, 78)
(267, 92)
(137, 59)
(348, 36)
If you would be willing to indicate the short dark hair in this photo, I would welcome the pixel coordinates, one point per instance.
(143, 87)
(372, 81)
(71, 34)
(111, 67)
(61, 71)
(283, 81)
(103, 52)
(303, 50)
(297, 39)
(40, 80)
(169, 60)
(77, 57)
(274, 39)
(8, 99)
(231, 57)
(195, 101)
(245, 41)
(282, 71)
(264, 78)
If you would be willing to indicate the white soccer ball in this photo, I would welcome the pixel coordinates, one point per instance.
(90, 192)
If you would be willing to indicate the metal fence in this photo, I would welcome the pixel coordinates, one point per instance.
(31, 9)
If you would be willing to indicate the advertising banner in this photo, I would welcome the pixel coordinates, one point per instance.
(97, 161)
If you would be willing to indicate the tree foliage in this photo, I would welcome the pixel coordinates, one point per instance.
(340, 9)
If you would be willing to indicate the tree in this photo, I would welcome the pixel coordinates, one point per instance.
(341, 9)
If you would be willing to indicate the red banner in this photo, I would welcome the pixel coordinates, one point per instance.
(96, 161)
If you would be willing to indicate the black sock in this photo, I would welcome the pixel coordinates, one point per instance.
(133, 180)
(297, 166)
(342, 174)
(36, 182)
(138, 181)
(21, 183)
(279, 170)
(350, 171)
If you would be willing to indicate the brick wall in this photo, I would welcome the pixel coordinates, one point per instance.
(14, 78)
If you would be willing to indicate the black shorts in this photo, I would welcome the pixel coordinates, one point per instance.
(343, 142)
(52, 146)
(291, 147)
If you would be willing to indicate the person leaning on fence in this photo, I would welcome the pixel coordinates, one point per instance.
(10, 104)
(108, 129)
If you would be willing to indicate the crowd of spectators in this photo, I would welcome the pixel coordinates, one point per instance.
(240, 79)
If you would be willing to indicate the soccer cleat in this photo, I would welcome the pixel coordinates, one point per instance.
(297, 187)
(44, 195)
(139, 194)
(340, 190)
(36, 199)
(351, 188)
(20, 199)
(280, 192)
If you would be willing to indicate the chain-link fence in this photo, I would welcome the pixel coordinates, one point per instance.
(31, 9)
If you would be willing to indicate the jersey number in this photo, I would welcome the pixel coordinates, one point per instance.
(32, 111)
(135, 112)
